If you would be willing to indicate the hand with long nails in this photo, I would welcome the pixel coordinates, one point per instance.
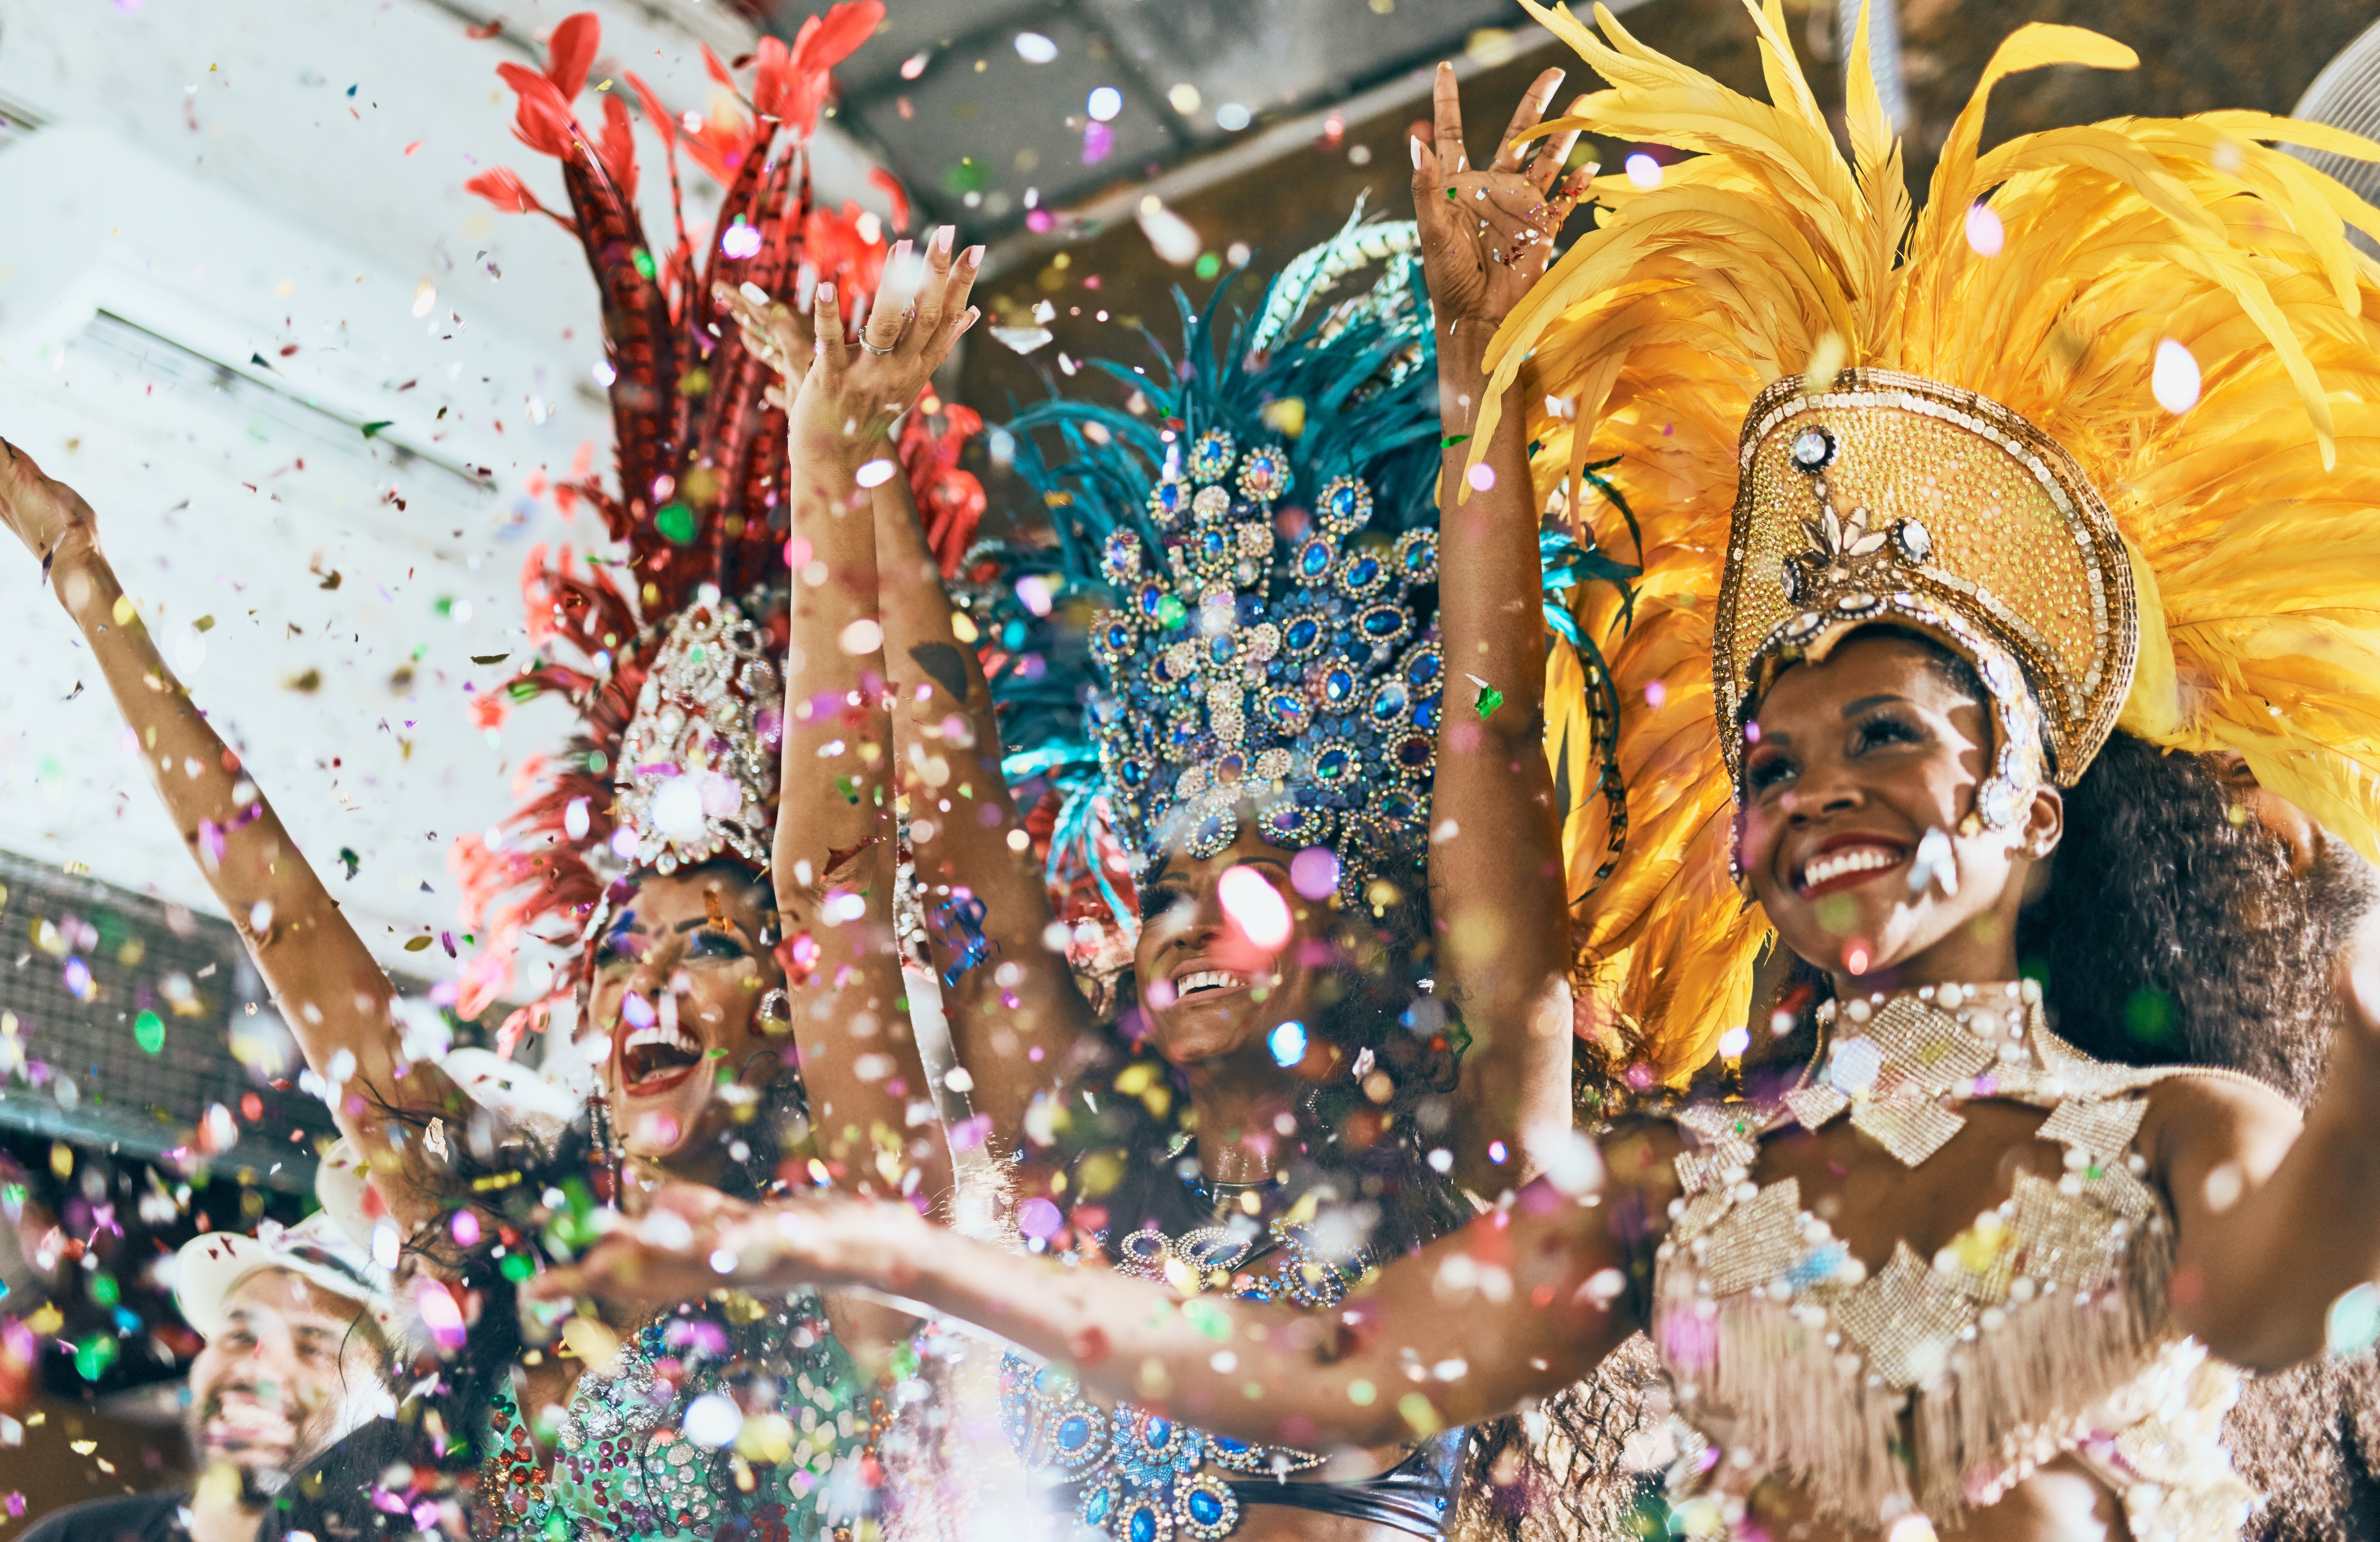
(854, 393)
(1488, 233)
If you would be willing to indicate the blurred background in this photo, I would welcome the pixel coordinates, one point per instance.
(321, 396)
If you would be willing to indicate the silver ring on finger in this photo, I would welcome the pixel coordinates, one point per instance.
(874, 349)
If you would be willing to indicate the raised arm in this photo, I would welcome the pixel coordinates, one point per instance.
(326, 983)
(2277, 1221)
(966, 834)
(836, 840)
(1495, 861)
(1520, 1302)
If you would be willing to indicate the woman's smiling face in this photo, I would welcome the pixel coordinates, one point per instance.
(1866, 766)
(679, 974)
(1228, 951)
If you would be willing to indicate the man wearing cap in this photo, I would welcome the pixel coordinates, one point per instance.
(297, 1325)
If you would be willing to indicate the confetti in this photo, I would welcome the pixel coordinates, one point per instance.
(2174, 379)
(149, 1032)
(1983, 232)
(1314, 872)
(1287, 1042)
(1034, 48)
(713, 1420)
(1170, 236)
(1644, 171)
(372, 429)
(1489, 698)
(1255, 906)
(875, 473)
(1022, 339)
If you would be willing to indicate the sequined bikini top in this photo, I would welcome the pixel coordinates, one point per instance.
(632, 1466)
(1934, 1385)
(1136, 1475)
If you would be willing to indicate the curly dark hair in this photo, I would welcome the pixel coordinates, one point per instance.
(1130, 1154)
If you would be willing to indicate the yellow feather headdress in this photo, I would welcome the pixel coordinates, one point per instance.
(2043, 275)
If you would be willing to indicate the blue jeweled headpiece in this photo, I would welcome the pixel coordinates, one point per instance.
(1263, 539)
(1314, 700)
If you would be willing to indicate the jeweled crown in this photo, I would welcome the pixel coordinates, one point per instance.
(698, 768)
(1317, 706)
(1886, 498)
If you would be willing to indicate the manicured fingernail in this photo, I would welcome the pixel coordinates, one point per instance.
(826, 291)
(944, 237)
(974, 256)
(1417, 152)
(900, 249)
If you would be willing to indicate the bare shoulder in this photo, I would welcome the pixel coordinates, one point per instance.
(2201, 1117)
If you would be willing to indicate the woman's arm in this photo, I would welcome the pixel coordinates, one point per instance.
(1495, 863)
(1520, 1302)
(2276, 1220)
(964, 830)
(836, 840)
(326, 983)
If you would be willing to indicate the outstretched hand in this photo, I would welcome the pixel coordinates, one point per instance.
(694, 1240)
(1486, 235)
(49, 517)
(856, 388)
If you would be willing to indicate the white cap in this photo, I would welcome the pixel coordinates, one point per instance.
(210, 1267)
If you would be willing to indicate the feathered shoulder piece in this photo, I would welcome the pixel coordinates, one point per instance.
(2155, 332)
(698, 511)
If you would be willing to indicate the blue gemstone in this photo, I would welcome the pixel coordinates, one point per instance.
(1211, 545)
(1389, 700)
(1342, 502)
(1424, 712)
(1158, 1435)
(1303, 634)
(1338, 685)
(1314, 561)
(1383, 621)
(1205, 1508)
(1332, 764)
(1422, 669)
(1228, 1446)
(1143, 1527)
(1096, 1511)
(1221, 648)
(1074, 1432)
(1362, 573)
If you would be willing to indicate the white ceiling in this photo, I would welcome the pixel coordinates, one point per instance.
(199, 191)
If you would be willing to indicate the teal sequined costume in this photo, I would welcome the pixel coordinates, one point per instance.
(625, 1467)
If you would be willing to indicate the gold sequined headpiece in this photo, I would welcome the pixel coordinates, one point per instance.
(1888, 499)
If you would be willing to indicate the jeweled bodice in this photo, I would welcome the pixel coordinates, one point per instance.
(1934, 1384)
(1137, 1475)
(627, 1465)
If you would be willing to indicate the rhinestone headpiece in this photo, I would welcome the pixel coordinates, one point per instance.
(1317, 705)
(698, 765)
(1897, 500)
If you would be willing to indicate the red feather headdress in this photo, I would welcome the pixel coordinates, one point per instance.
(701, 454)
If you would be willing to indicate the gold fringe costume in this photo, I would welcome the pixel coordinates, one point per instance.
(2105, 421)
(2253, 550)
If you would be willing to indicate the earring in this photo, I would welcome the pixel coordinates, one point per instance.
(775, 1012)
(2038, 849)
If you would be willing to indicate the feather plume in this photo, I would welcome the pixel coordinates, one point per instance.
(2251, 516)
(701, 456)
